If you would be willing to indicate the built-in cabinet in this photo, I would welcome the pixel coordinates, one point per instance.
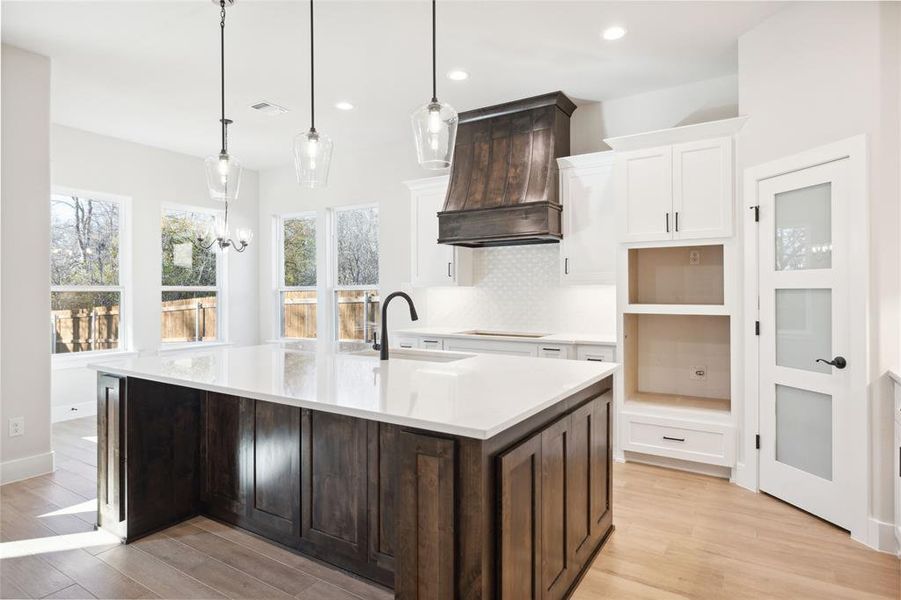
(676, 301)
(587, 194)
(434, 264)
(590, 352)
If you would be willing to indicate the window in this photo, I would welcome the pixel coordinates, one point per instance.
(297, 276)
(191, 279)
(356, 252)
(86, 291)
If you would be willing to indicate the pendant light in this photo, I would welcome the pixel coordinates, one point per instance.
(312, 150)
(223, 171)
(435, 123)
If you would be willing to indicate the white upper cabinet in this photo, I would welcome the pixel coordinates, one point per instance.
(676, 184)
(702, 189)
(588, 247)
(434, 264)
(645, 190)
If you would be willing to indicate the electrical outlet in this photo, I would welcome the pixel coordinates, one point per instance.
(698, 373)
(16, 426)
(694, 257)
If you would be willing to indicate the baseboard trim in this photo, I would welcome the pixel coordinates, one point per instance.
(677, 464)
(881, 536)
(67, 412)
(26, 468)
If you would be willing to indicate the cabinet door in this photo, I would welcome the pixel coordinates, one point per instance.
(556, 556)
(383, 480)
(588, 477)
(435, 264)
(520, 525)
(644, 194)
(702, 189)
(275, 485)
(333, 490)
(588, 247)
(545, 351)
(227, 438)
(490, 347)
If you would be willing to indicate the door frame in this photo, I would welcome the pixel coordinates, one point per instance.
(747, 473)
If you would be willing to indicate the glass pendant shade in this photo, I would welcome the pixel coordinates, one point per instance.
(312, 157)
(223, 177)
(435, 131)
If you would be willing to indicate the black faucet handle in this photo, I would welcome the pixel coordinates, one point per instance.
(375, 341)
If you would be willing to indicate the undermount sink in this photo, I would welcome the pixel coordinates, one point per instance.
(502, 334)
(423, 355)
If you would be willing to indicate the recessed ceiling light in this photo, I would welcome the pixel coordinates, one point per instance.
(344, 105)
(457, 75)
(269, 108)
(614, 33)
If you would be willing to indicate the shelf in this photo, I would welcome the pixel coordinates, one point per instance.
(676, 406)
(683, 275)
(716, 310)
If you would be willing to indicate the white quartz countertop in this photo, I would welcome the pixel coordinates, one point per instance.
(555, 338)
(478, 396)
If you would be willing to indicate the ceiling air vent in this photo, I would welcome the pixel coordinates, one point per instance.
(268, 108)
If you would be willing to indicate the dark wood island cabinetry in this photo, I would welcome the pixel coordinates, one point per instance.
(518, 515)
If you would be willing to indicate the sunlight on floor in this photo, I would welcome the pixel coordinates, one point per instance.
(88, 506)
(58, 543)
(90, 438)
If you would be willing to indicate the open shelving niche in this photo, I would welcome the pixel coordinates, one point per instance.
(677, 313)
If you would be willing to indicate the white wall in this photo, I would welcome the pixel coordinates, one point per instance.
(816, 73)
(152, 177)
(696, 102)
(25, 262)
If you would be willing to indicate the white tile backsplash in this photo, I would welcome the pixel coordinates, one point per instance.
(517, 288)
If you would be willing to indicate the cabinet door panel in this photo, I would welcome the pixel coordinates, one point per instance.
(276, 468)
(434, 264)
(556, 442)
(588, 247)
(383, 476)
(110, 459)
(645, 194)
(427, 501)
(228, 437)
(334, 483)
(702, 189)
(519, 471)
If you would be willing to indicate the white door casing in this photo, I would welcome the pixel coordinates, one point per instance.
(812, 416)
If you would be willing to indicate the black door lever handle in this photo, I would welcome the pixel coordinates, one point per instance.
(838, 362)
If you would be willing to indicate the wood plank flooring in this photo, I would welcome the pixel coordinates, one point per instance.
(678, 535)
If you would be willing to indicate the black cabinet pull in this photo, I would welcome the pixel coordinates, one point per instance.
(673, 439)
(677, 220)
(551, 349)
(566, 266)
(667, 222)
(595, 359)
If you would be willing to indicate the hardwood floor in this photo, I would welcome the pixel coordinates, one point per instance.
(678, 535)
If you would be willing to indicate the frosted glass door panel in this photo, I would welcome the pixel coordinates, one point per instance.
(804, 329)
(804, 228)
(804, 430)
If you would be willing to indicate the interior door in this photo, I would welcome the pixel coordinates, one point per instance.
(805, 366)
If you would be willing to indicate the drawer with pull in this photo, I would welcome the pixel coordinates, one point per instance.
(709, 443)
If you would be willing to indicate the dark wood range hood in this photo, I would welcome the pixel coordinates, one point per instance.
(503, 179)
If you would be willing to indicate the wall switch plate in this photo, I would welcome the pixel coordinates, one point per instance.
(16, 426)
(698, 373)
(694, 257)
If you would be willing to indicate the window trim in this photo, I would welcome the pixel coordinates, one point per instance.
(221, 287)
(280, 286)
(332, 264)
(124, 288)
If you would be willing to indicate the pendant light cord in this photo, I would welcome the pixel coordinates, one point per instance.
(312, 80)
(434, 59)
(222, 72)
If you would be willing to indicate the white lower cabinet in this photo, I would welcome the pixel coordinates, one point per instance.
(549, 351)
(432, 344)
(490, 347)
(596, 353)
(709, 443)
(405, 342)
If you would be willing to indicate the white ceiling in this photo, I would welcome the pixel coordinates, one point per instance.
(148, 71)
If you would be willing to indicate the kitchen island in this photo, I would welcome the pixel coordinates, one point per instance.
(439, 474)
